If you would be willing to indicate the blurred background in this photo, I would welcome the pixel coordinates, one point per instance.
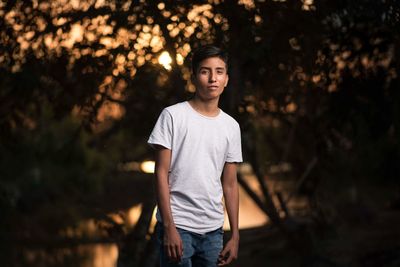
(313, 83)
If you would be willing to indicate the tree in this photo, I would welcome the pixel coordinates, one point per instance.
(313, 85)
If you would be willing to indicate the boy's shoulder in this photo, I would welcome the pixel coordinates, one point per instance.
(176, 108)
(229, 119)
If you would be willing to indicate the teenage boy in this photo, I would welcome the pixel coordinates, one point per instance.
(197, 149)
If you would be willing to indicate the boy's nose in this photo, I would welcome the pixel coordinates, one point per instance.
(212, 77)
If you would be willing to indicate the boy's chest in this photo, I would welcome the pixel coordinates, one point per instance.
(211, 135)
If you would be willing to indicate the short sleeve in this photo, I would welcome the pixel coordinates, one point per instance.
(235, 146)
(162, 131)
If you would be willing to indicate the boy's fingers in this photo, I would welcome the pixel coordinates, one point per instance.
(173, 254)
(178, 253)
(223, 253)
(169, 254)
(222, 262)
(222, 258)
(229, 259)
(181, 243)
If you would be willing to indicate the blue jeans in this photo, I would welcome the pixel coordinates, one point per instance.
(198, 250)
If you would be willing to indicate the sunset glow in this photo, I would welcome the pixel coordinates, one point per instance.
(165, 60)
(147, 166)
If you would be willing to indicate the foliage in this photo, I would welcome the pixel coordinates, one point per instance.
(81, 86)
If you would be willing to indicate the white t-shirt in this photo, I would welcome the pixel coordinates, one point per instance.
(200, 146)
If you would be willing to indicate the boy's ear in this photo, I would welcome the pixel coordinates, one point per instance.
(227, 80)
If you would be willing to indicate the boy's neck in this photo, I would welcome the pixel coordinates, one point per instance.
(208, 108)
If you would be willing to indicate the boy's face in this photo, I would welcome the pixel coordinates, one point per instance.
(211, 78)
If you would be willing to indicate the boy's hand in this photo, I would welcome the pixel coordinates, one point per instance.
(173, 246)
(229, 253)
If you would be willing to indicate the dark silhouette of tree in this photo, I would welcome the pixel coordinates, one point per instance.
(314, 85)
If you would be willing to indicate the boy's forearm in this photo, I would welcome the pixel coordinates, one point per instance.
(231, 195)
(163, 159)
(163, 200)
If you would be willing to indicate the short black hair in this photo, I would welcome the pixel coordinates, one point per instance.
(207, 51)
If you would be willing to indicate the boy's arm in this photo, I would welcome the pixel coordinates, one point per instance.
(172, 242)
(231, 195)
